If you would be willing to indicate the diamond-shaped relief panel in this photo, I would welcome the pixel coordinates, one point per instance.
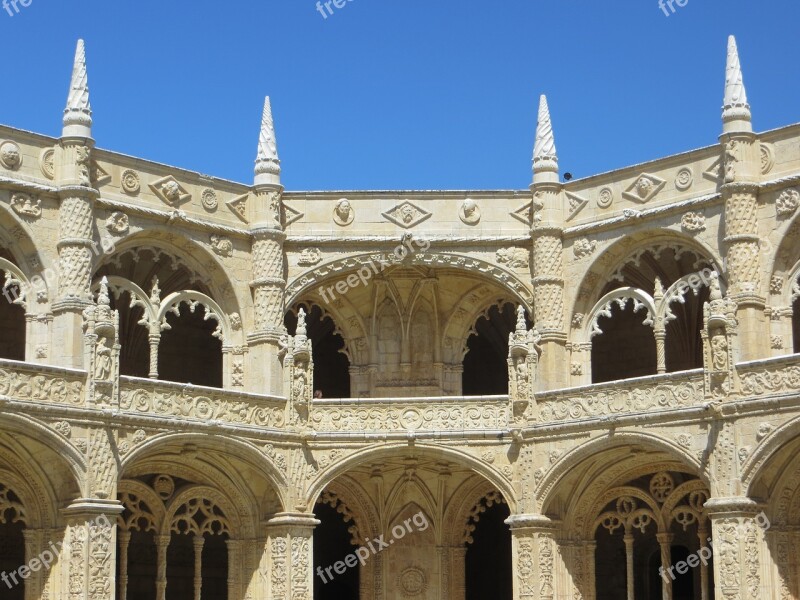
(407, 215)
(714, 172)
(290, 215)
(645, 188)
(523, 213)
(576, 204)
(238, 206)
(100, 176)
(170, 191)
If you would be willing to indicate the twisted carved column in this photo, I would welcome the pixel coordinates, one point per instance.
(269, 287)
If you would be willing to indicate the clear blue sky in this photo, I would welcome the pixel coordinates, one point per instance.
(400, 94)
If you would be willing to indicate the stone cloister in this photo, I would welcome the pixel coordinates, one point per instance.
(584, 390)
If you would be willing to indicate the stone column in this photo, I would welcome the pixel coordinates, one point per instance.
(291, 558)
(458, 573)
(33, 548)
(162, 544)
(703, 537)
(154, 338)
(547, 222)
(591, 575)
(738, 532)
(234, 569)
(124, 541)
(533, 552)
(268, 286)
(629, 572)
(665, 544)
(197, 543)
(90, 549)
(75, 253)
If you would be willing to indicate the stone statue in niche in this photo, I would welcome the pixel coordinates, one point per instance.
(524, 349)
(720, 329)
(102, 361)
(343, 213)
(469, 213)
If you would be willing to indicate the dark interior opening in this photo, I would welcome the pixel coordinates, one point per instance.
(485, 364)
(331, 367)
(331, 545)
(488, 558)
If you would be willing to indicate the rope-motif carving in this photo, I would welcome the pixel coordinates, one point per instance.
(75, 218)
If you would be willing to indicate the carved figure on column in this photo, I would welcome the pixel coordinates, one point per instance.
(719, 332)
(298, 370)
(524, 350)
(101, 339)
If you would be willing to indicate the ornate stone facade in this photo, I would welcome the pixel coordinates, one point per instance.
(605, 363)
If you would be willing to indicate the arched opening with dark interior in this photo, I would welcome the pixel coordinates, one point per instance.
(488, 572)
(628, 529)
(187, 353)
(486, 361)
(12, 544)
(627, 348)
(12, 314)
(332, 545)
(331, 365)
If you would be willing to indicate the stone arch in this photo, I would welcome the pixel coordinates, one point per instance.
(396, 504)
(60, 449)
(388, 449)
(621, 440)
(504, 278)
(769, 447)
(223, 454)
(192, 255)
(617, 254)
(146, 493)
(469, 494)
(357, 501)
(219, 498)
(18, 237)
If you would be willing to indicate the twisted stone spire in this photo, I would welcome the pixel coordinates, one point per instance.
(736, 116)
(268, 166)
(545, 158)
(78, 113)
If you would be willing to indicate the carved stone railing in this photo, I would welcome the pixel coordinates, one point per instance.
(642, 394)
(772, 376)
(411, 414)
(41, 383)
(182, 401)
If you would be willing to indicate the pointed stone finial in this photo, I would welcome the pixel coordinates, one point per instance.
(736, 116)
(545, 158)
(658, 290)
(521, 324)
(301, 333)
(268, 167)
(78, 113)
(102, 296)
(155, 293)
